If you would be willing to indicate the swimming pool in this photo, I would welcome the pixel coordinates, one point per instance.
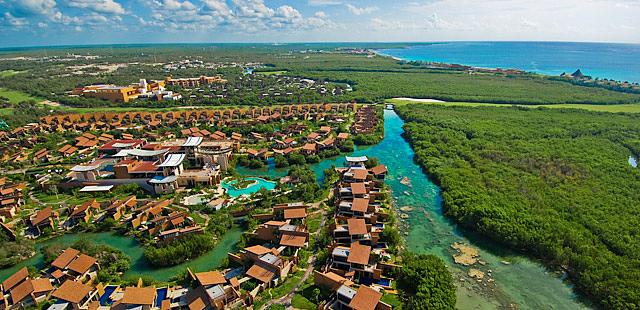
(104, 299)
(259, 183)
(161, 294)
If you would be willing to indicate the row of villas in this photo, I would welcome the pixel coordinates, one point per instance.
(11, 198)
(366, 120)
(159, 219)
(356, 270)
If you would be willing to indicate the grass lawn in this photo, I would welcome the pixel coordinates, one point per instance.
(613, 108)
(313, 223)
(392, 300)
(8, 73)
(279, 291)
(15, 96)
(300, 302)
(6, 111)
(271, 72)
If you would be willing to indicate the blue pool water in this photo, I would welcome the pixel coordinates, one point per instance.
(104, 299)
(260, 183)
(603, 60)
(161, 294)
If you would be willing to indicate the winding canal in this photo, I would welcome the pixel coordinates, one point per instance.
(130, 246)
(518, 282)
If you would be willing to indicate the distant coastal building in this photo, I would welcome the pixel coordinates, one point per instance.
(194, 82)
(116, 93)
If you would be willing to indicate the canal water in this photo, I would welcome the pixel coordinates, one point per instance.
(131, 247)
(519, 282)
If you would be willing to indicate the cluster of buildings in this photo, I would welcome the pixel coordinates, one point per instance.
(357, 269)
(366, 120)
(69, 282)
(154, 90)
(157, 166)
(11, 198)
(199, 64)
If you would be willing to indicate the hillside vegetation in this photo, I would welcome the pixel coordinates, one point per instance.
(554, 183)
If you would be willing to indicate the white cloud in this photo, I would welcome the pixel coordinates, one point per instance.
(361, 10)
(17, 22)
(323, 2)
(100, 6)
(177, 5)
(34, 7)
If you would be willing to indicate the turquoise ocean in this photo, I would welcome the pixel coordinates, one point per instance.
(603, 60)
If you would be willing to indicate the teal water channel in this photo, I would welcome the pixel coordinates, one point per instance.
(131, 247)
(511, 280)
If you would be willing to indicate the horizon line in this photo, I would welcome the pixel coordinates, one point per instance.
(62, 46)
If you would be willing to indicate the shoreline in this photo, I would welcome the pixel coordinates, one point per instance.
(541, 73)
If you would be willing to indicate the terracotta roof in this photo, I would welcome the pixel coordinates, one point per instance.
(15, 278)
(138, 296)
(309, 147)
(358, 189)
(82, 263)
(210, 278)
(275, 223)
(360, 174)
(41, 216)
(295, 213)
(366, 299)
(293, 241)
(357, 226)
(41, 285)
(234, 282)
(260, 273)
(343, 135)
(258, 249)
(197, 304)
(21, 291)
(64, 259)
(72, 291)
(360, 205)
(57, 274)
(359, 254)
(379, 169)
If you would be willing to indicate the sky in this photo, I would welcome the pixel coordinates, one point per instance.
(78, 22)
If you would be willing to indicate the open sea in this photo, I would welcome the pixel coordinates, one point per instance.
(604, 60)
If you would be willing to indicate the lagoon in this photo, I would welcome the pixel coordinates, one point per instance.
(259, 183)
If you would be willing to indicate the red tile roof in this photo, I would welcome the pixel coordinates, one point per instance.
(359, 254)
(64, 259)
(296, 213)
(210, 278)
(360, 205)
(357, 226)
(15, 278)
(366, 298)
(72, 291)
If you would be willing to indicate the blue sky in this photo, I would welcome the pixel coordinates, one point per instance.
(60, 22)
